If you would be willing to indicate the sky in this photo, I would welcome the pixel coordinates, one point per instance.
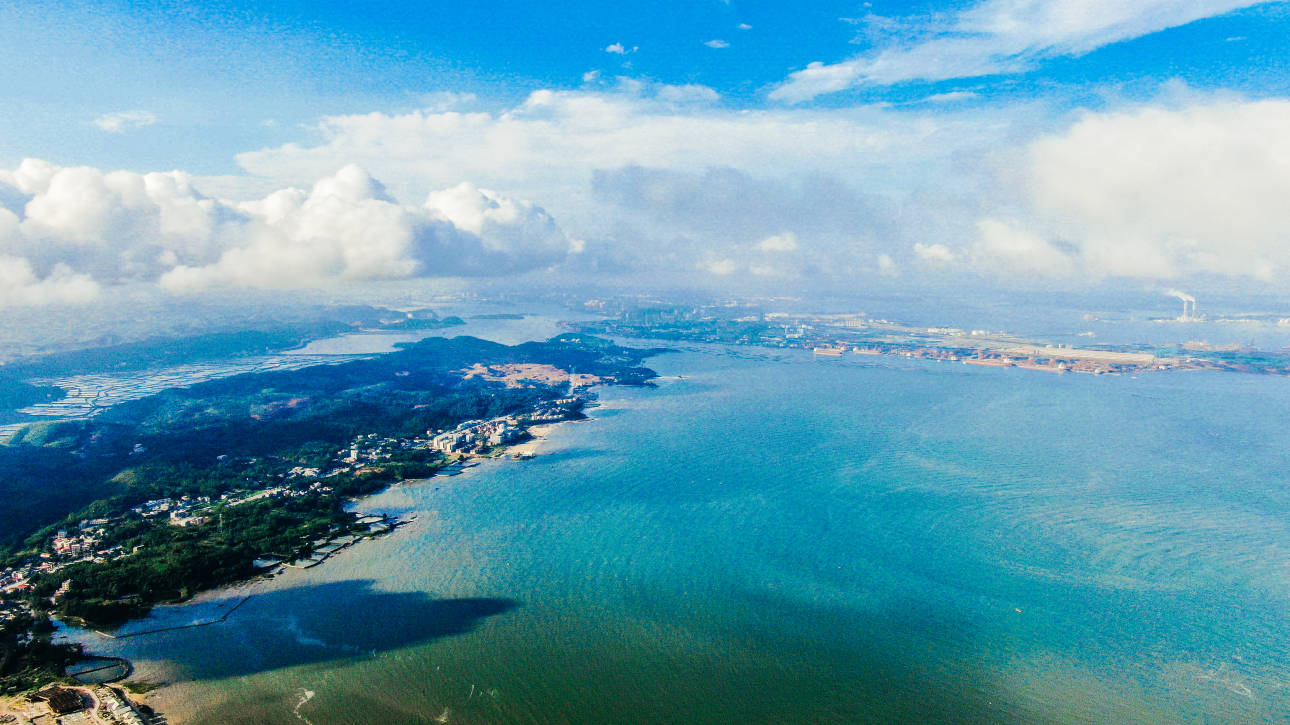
(1008, 144)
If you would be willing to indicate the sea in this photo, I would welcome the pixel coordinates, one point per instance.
(769, 536)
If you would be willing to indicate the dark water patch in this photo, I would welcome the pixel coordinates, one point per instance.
(318, 623)
(98, 670)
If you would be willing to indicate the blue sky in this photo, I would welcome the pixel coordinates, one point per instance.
(215, 73)
(960, 128)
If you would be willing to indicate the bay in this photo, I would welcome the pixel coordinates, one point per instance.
(772, 536)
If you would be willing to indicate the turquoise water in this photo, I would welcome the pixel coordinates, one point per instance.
(785, 538)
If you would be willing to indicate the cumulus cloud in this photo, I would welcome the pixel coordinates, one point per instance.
(64, 230)
(722, 267)
(716, 43)
(670, 171)
(785, 242)
(19, 285)
(348, 228)
(123, 121)
(1007, 244)
(1000, 36)
(546, 147)
(620, 49)
(1153, 193)
(935, 253)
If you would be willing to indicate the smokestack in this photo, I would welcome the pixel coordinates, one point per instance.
(1185, 299)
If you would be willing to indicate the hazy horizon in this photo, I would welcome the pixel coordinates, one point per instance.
(720, 146)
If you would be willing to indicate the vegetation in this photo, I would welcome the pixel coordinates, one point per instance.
(157, 352)
(249, 433)
(19, 394)
(424, 323)
(27, 657)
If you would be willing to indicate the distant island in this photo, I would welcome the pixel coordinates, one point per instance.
(159, 498)
(19, 386)
(836, 335)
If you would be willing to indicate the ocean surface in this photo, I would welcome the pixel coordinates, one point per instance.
(776, 537)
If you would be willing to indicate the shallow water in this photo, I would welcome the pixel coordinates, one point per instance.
(781, 537)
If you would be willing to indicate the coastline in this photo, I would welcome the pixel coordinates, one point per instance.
(380, 456)
(537, 444)
(164, 685)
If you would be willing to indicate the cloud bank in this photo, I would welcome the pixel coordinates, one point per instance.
(547, 147)
(665, 183)
(64, 231)
(1153, 193)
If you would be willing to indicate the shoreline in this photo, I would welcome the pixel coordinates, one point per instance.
(244, 590)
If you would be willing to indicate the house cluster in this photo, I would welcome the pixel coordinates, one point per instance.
(278, 493)
(16, 579)
(554, 411)
(12, 609)
(78, 544)
(13, 583)
(155, 507)
(372, 448)
(65, 548)
(475, 435)
(85, 544)
(178, 512)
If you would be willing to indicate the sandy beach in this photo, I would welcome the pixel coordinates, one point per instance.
(536, 444)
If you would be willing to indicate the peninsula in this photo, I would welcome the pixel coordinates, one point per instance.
(159, 498)
(836, 335)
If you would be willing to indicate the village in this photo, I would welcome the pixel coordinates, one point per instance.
(91, 540)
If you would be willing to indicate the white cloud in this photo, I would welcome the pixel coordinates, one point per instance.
(123, 121)
(447, 100)
(591, 76)
(689, 93)
(886, 265)
(826, 224)
(1153, 193)
(722, 267)
(1001, 36)
(936, 253)
(620, 49)
(548, 146)
(786, 242)
(716, 43)
(19, 285)
(1006, 245)
(744, 26)
(84, 227)
(767, 270)
(951, 97)
(667, 190)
